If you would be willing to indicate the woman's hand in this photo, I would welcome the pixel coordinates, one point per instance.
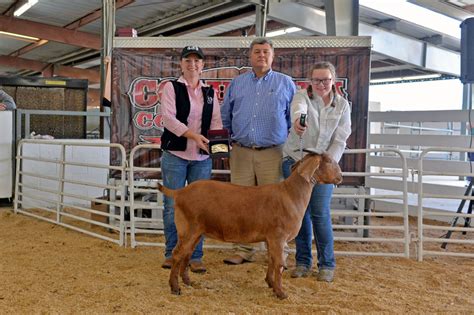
(298, 128)
(201, 141)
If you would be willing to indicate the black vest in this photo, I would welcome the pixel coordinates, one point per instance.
(169, 141)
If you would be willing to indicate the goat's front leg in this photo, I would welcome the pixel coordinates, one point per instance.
(275, 249)
(269, 277)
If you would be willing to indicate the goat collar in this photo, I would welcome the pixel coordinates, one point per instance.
(313, 180)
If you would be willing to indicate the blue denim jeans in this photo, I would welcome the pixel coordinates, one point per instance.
(176, 172)
(317, 219)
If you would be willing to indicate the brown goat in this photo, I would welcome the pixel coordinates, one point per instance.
(240, 214)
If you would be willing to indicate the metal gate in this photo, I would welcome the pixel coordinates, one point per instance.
(47, 188)
(440, 238)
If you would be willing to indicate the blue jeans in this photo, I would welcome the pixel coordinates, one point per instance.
(176, 172)
(317, 219)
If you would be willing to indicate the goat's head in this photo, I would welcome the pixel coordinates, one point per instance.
(320, 168)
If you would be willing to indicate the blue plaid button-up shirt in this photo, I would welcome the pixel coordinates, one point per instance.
(257, 110)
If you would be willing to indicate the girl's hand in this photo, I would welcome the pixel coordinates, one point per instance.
(298, 128)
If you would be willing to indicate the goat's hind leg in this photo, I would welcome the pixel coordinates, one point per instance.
(180, 260)
(177, 259)
(191, 239)
(183, 269)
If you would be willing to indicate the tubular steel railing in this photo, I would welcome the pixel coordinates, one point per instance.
(429, 234)
(145, 226)
(363, 215)
(33, 198)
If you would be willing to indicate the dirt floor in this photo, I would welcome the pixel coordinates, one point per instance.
(47, 269)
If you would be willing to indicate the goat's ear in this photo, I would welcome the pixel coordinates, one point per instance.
(309, 166)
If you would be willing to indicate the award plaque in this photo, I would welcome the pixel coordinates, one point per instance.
(219, 143)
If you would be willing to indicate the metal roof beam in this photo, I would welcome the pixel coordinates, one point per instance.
(390, 24)
(95, 15)
(389, 68)
(444, 8)
(405, 49)
(342, 17)
(412, 51)
(435, 39)
(49, 32)
(309, 18)
(212, 9)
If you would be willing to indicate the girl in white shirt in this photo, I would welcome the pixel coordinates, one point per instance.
(328, 125)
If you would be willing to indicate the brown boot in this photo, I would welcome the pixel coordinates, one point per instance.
(197, 267)
(167, 263)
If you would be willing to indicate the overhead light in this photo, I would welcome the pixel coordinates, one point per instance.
(26, 6)
(19, 36)
(408, 78)
(283, 31)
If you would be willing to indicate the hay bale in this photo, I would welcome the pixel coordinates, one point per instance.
(56, 98)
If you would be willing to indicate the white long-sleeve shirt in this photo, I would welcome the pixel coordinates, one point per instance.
(328, 127)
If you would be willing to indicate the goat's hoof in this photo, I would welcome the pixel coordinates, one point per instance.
(176, 291)
(281, 295)
(269, 282)
(186, 281)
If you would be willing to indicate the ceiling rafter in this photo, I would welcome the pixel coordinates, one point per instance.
(95, 15)
(29, 47)
(9, 11)
(49, 32)
(84, 20)
(50, 69)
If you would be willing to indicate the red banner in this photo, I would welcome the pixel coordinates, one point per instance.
(139, 74)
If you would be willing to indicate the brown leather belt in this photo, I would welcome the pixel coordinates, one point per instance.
(257, 148)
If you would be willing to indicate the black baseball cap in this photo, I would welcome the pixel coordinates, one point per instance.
(188, 50)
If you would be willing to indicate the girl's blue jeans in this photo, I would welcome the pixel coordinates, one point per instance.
(317, 221)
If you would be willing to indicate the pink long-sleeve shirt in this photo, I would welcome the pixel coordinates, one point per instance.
(170, 122)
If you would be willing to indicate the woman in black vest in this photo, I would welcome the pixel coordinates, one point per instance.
(189, 109)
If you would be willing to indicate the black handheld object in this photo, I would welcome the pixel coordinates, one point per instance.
(303, 120)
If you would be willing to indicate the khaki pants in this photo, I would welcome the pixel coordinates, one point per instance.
(251, 167)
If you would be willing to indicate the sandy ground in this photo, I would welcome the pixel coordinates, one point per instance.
(47, 269)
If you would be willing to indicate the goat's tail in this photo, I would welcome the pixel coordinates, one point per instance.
(166, 191)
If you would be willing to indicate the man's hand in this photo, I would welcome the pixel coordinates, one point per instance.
(3, 106)
(298, 128)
